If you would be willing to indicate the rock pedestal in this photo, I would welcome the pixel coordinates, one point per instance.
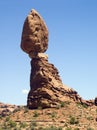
(46, 87)
(44, 77)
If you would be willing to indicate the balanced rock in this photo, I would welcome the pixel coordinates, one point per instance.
(34, 35)
(46, 87)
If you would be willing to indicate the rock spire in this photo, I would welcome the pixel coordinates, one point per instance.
(46, 87)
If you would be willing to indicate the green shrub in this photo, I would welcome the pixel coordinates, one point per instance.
(32, 128)
(53, 128)
(62, 104)
(90, 118)
(41, 128)
(68, 129)
(73, 121)
(7, 118)
(76, 129)
(84, 105)
(90, 129)
(33, 124)
(78, 104)
(53, 114)
(36, 114)
(12, 123)
(16, 128)
(23, 125)
(0, 117)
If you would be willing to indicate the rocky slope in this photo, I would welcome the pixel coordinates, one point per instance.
(69, 115)
(6, 109)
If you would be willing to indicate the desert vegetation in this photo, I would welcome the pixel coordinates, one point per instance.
(68, 116)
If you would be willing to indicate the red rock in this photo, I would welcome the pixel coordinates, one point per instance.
(46, 87)
(6, 109)
(34, 35)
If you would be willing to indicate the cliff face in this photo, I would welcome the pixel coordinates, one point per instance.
(46, 87)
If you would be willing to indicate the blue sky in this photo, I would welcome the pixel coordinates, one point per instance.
(72, 48)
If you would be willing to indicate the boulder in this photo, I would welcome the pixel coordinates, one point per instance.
(34, 35)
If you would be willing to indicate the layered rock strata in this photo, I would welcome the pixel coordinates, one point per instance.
(46, 87)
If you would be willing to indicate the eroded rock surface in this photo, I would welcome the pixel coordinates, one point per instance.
(6, 109)
(46, 87)
(34, 35)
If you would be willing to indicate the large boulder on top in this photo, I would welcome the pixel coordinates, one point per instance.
(34, 35)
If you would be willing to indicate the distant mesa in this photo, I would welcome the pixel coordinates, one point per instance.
(46, 87)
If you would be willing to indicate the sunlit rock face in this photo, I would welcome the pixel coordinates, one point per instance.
(34, 35)
(46, 87)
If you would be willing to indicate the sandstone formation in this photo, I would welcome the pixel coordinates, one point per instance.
(34, 35)
(46, 87)
(95, 101)
(6, 109)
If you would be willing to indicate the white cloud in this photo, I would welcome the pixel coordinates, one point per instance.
(25, 91)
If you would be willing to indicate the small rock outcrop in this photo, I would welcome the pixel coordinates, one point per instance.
(6, 109)
(46, 87)
(95, 101)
